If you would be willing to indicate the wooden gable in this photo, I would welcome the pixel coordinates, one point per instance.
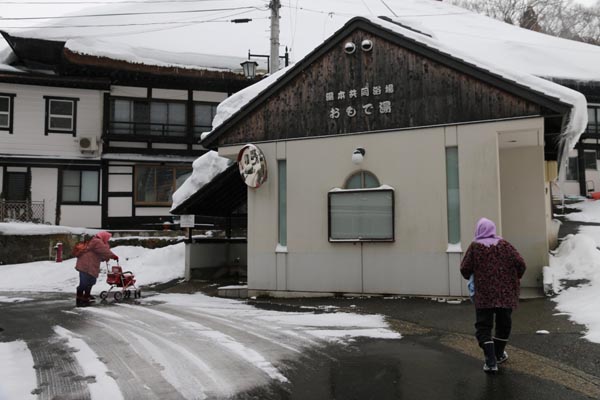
(398, 84)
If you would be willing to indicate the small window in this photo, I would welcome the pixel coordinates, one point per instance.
(363, 215)
(589, 158)
(572, 169)
(154, 184)
(362, 180)
(204, 113)
(61, 115)
(592, 126)
(6, 112)
(16, 186)
(80, 187)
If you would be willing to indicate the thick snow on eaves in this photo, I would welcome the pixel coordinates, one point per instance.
(234, 103)
(150, 56)
(205, 168)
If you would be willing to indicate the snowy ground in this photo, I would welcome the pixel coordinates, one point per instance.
(574, 271)
(163, 346)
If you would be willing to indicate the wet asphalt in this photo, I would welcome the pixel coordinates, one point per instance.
(437, 357)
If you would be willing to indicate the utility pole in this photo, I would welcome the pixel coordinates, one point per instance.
(274, 5)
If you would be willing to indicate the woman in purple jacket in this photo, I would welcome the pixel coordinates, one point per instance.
(497, 268)
(88, 265)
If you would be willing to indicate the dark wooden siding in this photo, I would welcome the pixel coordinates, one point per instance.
(425, 92)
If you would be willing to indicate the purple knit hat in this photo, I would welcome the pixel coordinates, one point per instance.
(485, 233)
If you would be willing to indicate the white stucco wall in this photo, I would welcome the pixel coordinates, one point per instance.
(85, 216)
(413, 163)
(29, 121)
(44, 186)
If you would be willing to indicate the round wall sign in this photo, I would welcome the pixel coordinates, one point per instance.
(252, 165)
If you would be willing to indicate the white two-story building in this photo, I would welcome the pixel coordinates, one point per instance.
(95, 141)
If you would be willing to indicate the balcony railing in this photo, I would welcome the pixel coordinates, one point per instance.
(147, 129)
(21, 211)
(153, 129)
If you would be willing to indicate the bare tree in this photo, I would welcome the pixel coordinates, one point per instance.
(561, 18)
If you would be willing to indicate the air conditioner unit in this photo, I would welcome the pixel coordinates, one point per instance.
(88, 144)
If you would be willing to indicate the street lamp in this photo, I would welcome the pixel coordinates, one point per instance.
(249, 68)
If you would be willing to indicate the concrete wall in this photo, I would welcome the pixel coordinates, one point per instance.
(413, 163)
(203, 258)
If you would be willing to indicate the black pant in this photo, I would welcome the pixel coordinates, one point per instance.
(485, 322)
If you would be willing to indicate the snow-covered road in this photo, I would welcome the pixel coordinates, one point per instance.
(169, 346)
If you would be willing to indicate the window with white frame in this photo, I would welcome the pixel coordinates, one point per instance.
(61, 115)
(6, 112)
(80, 186)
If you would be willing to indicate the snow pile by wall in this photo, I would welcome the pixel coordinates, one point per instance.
(150, 266)
(589, 211)
(28, 228)
(577, 259)
(206, 168)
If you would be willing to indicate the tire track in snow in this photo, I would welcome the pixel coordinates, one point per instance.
(168, 346)
(103, 386)
(137, 377)
(226, 341)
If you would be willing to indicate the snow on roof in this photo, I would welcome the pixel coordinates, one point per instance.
(509, 70)
(182, 29)
(205, 168)
(149, 56)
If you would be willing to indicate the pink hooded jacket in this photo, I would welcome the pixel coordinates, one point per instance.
(97, 251)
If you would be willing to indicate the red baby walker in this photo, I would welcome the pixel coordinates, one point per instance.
(125, 281)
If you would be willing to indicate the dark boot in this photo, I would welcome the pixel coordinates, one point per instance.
(499, 346)
(80, 300)
(88, 297)
(489, 352)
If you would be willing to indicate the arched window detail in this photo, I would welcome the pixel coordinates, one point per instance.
(362, 180)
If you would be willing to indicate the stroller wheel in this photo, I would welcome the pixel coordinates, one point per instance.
(118, 296)
(127, 294)
(103, 294)
(138, 294)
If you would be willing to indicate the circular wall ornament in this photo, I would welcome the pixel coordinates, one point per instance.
(252, 165)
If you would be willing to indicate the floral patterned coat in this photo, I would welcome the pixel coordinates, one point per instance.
(497, 269)
(95, 252)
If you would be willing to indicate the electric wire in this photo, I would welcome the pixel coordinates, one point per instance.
(130, 14)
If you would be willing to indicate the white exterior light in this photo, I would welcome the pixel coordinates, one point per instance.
(358, 155)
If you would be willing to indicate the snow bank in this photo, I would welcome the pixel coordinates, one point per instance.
(577, 258)
(589, 211)
(27, 228)
(149, 266)
(205, 168)
(16, 370)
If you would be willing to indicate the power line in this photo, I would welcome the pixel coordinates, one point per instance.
(101, 2)
(123, 25)
(131, 14)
